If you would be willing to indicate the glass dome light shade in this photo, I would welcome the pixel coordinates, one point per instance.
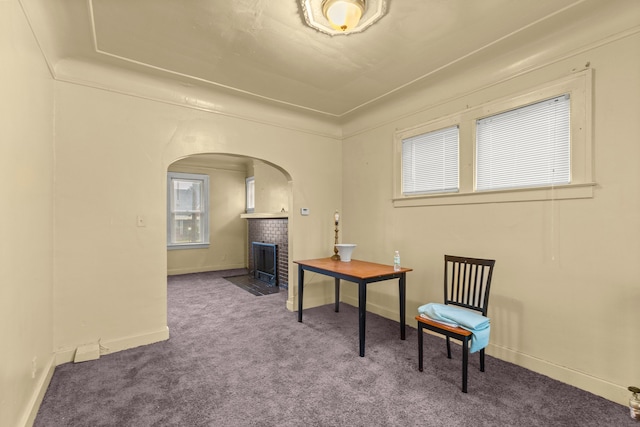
(343, 15)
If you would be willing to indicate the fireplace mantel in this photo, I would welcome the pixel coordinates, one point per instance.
(265, 215)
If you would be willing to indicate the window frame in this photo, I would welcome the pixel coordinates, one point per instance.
(440, 159)
(415, 131)
(171, 176)
(250, 194)
(579, 88)
(492, 157)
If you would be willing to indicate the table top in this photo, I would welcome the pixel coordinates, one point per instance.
(353, 268)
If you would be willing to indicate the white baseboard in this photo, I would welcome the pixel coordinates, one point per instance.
(31, 411)
(614, 392)
(118, 344)
(67, 355)
(582, 380)
(205, 269)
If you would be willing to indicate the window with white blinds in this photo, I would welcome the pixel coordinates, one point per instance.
(430, 162)
(529, 145)
(526, 147)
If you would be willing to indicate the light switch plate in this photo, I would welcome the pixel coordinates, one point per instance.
(304, 211)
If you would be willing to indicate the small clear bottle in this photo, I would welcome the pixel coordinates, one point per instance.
(396, 261)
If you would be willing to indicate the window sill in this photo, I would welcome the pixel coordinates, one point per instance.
(563, 192)
(188, 246)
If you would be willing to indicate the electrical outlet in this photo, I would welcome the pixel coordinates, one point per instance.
(141, 221)
(304, 211)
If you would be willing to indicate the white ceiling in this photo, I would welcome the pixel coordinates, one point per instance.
(262, 48)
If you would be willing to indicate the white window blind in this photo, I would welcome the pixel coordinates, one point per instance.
(525, 147)
(430, 162)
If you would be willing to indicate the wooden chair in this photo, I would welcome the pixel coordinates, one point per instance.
(466, 284)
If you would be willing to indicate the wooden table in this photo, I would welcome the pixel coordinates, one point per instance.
(360, 272)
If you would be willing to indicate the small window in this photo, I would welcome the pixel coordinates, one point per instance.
(430, 162)
(250, 190)
(188, 211)
(525, 147)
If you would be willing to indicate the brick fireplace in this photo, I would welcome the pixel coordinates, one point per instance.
(272, 231)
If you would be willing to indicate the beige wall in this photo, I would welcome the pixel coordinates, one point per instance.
(26, 220)
(566, 294)
(227, 231)
(272, 189)
(113, 152)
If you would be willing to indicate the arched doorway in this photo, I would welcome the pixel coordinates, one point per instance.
(230, 227)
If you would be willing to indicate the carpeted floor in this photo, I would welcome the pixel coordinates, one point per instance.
(235, 359)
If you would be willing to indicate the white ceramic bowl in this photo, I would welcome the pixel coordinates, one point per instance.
(345, 250)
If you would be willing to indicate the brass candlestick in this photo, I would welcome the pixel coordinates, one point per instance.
(336, 257)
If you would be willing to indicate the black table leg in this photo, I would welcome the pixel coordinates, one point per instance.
(362, 311)
(300, 288)
(403, 304)
(337, 286)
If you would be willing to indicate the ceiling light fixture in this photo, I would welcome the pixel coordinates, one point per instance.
(343, 15)
(336, 17)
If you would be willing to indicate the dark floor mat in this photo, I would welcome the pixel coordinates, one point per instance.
(253, 285)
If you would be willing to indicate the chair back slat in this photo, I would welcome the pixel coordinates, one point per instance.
(467, 282)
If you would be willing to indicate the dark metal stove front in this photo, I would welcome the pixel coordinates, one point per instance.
(265, 262)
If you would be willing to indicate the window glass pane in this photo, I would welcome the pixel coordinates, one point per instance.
(187, 198)
(187, 195)
(187, 216)
(187, 228)
(430, 162)
(525, 147)
(250, 193)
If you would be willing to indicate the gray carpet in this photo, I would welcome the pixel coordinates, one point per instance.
(235, 359)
